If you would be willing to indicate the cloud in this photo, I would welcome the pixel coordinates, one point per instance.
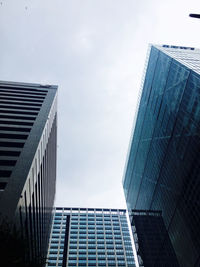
(95, 52)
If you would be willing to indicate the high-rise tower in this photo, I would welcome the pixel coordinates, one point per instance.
(162, 172)
(28, 127)
(90, 237)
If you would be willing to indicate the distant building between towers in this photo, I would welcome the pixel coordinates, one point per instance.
(162, 176)
(90, 237)
(28, 128)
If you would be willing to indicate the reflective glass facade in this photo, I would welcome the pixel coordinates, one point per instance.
(151, 238)
(162, 171)
(90, 237)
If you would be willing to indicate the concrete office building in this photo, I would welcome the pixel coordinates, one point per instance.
(28, 127)
(90, 237)
(162, 171)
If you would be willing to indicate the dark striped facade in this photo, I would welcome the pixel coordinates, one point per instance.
(28, 129)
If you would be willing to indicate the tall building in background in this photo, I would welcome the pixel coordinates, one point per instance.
(90, 237)
(163, 165)
(28, 127)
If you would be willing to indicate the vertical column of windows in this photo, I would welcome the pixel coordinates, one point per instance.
(101, 243)
(115, 242)
(83, 239)
(129, 258)
(92, 239)
(56, 248)
(110, 237)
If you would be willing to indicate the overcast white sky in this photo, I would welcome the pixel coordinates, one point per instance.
(94, 50)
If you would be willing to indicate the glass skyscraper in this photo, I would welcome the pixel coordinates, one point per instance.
(90, 237)
(163, 165)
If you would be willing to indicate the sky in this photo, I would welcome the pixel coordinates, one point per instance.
(94, 50)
